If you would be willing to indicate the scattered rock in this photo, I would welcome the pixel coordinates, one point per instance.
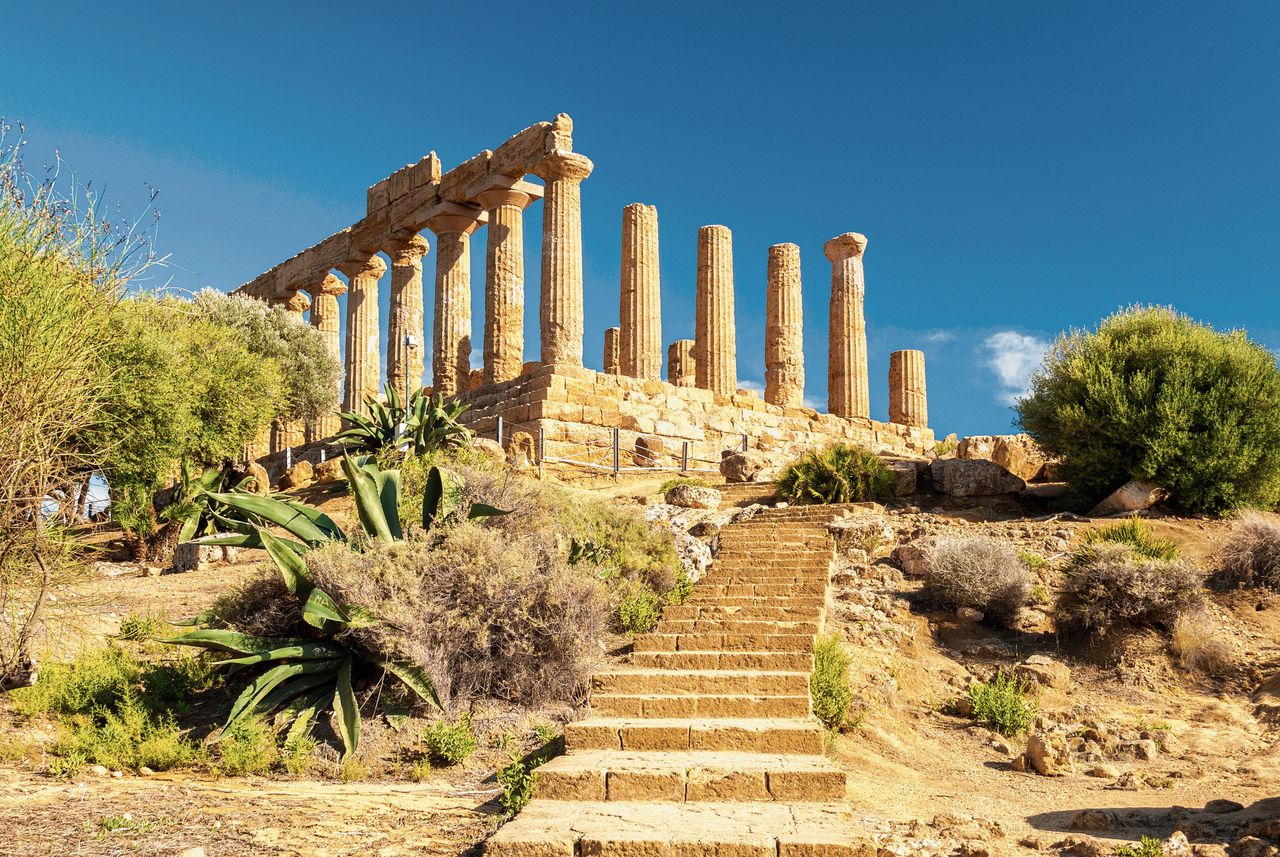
(192, 852)
(1093, 819)
(521, 452)
(490, 449)
(260, 479)
(144, 771)
(1251, 846)
(1044, 671)
(749, 466)
(329, 470)
(969, 614)
(961, 477)
(113, 569)
(1104, 771)
(301, 475)
(651, 452)
(99, 771)
(1176, 845)
(1083, 846)
(913, 557)
(694, 555)
(976, 447)
(1020, 455)
(1129, 781)
(1223, 806)
(1048, 755)
(1133, 496)
(194, 556)
(693, 497)
(904, 477)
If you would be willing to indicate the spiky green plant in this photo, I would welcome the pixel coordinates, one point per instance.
(841, 473)
(422, 425)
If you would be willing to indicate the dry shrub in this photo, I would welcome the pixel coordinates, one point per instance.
(1199, 644)
(981, 573)
(1108, 587)
(1251, 556)
(260, 606)
(485, 612)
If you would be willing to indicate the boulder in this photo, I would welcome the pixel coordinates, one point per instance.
(1133, 496)
(693, 497)
(490, 449)
(1044, 671)
(749, 466)
(261, 480)
(193, 556)
(650, 452)
(1266, 699)
(521, 452)
(301, 475)
(1251, 846)
(860, 532)
(1093, 819)
(1020, 455)
(904, 477)
(1176, 845)
(962, 477)
(1048, 755)
(978, 447)
(694, 554)
(913, 557)
(329, 470)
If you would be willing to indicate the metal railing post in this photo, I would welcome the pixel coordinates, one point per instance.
(542, 449)
(617, 458)
(744, 441)
(684, 457)
(288, 457)
(499, 431)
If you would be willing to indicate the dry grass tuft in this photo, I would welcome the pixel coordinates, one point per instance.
(1251, 556)
(1199, 644)
(979, 572)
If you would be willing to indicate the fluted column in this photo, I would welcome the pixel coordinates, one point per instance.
(286, 432)
(561, 300)
(848, 394)
(681, 366)
(504, 283)
(451, 340)
(404, 364)
(784, 329)
(715, 348)
(640, 341)
(362, 353)
(908, 402)
(324, 318)
(611, 362)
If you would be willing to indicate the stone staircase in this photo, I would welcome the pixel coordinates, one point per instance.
(705, 743)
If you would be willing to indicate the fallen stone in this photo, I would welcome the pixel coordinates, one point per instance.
(749, 466)
(260, 480)
(1133, 496)
(1176, 845)
(904, 477)
(99, 771)
(961, 477)
(969, 614)
(1093, 819)
(1020, 455)
(694, 555)
(693, 497)
(301, 475)
(1103, 771)
(1044, 671)
(194, 556)
(913, 557)
(521, 452)
(490, 449)
(329, 470)
(976, 447)
(1222, 806)
(1048, 755)
(192, 852)
(1251, 846)
(1083, 846)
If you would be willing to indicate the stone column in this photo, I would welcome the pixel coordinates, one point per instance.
(784, 329)
(640, 343)
(561, 301)
(405, 365)
(504, 283)
(611, 360)
(848, 394)
(324, 318)
(715, 349)
(285, 432)
(908, 403)
(681, 368)
(451, 340)
(363, 357)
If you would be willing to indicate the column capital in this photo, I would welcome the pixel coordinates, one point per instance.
(407, 249)
(330, 285)
(844, 246)
(497, 197)
(462, 221)
(297, 303)
(561, 165)
(364, 266)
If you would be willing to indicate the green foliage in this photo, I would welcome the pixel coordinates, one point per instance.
(841, 473)
(945, 447)
(829, 683)
(297, 753)
(1148, 846)
(1033, 560)
(1001, 704)
(135, 627)
(131, 734)
(249, 747)
(693, 481)
(519, 778)
(450, 743)
(1136, 535)
(618, 542)
(1151, 394)
(425, 425)
(1107, 586)
(639, 609)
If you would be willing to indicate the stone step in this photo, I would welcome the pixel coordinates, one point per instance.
(755, 735)
(765, 610)
(816, 589)
(772, 661)
(736, 626)
(698, 705)
(765, 577)
(550, 828)
(689, 776)
(643, 682)
(795, 602)
(724, 643)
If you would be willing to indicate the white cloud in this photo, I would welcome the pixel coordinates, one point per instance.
(939, 336)
(814, 402)
(1013, 356)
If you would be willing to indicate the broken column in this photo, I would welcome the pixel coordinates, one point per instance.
(324, 318)
(611, 366)
(848, 394)
(451, 339)
(715, 352)
(561, 299)
(784, 329)
(405, 364)
(504, 281)
(681, 369)
(908, 403)
(363, 363)
(640, 343)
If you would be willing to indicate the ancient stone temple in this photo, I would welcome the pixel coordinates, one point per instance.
(556, 398)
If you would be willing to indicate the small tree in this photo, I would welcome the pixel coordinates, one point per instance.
(1151, 394)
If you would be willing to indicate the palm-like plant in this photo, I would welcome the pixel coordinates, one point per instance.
(423, 424)
(194, 504)
(307, 675)
(841, 473)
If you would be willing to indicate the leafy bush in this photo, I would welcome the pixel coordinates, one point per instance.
(1033, 560)
(841, 473)
(1148, 846)
(639, 609)
(450, 743)
(979, 572)
(248, 747)
(1198, 644)
(519, 778)
(135, 627)
(829, 682)
(1135, 535)
(693, 481)
(1001, 704)
(1251, 556)
(1109, 586)
(1151, 394)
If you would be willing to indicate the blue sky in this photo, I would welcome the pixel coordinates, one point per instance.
(1018, 168)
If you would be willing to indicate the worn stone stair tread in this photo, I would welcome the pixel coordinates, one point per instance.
(695, 705)
(783, 734)
(551, 828)
(695, 660)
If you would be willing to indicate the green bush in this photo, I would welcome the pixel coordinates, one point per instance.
(450, 743)
(694, 481)
(1107, 586)
(135, 627)
(829, 683)
(1148, 846)
(247, 747)
(1151, 394)
(1135, 535)
(1001, 704)
(519, 778)
(639, 610)
(841, 473)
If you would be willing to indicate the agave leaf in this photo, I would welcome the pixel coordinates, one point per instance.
(415, 679)
(484, 510)
(304, 710)
(189, 525)
(297, 651)
(227, 641)
(320, 608)
(320, 519)
(244, 540)
(276, 512)
(293, 568)
(389, 495)
(258, 689)
(200, 619)
(344, 704)
(367, 488)
(443, 496)
(209, 480)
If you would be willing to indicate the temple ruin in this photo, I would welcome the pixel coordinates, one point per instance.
(557, 399)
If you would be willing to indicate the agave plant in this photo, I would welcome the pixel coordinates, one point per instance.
(194, 504)
(307, 675)
(423, 424)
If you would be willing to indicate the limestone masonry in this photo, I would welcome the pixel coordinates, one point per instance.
(556, 396)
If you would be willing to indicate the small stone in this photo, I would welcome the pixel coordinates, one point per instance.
(969, 614)
(1044, 671)
(145, 771)
(1049, 755)
(301, 475)
(694, 497)
(1221, 806)
(1083, 846)
(1109, 772)
(117, 774)
(1129, 781)
(1093, 819)
(99, 771)
(192, 852)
